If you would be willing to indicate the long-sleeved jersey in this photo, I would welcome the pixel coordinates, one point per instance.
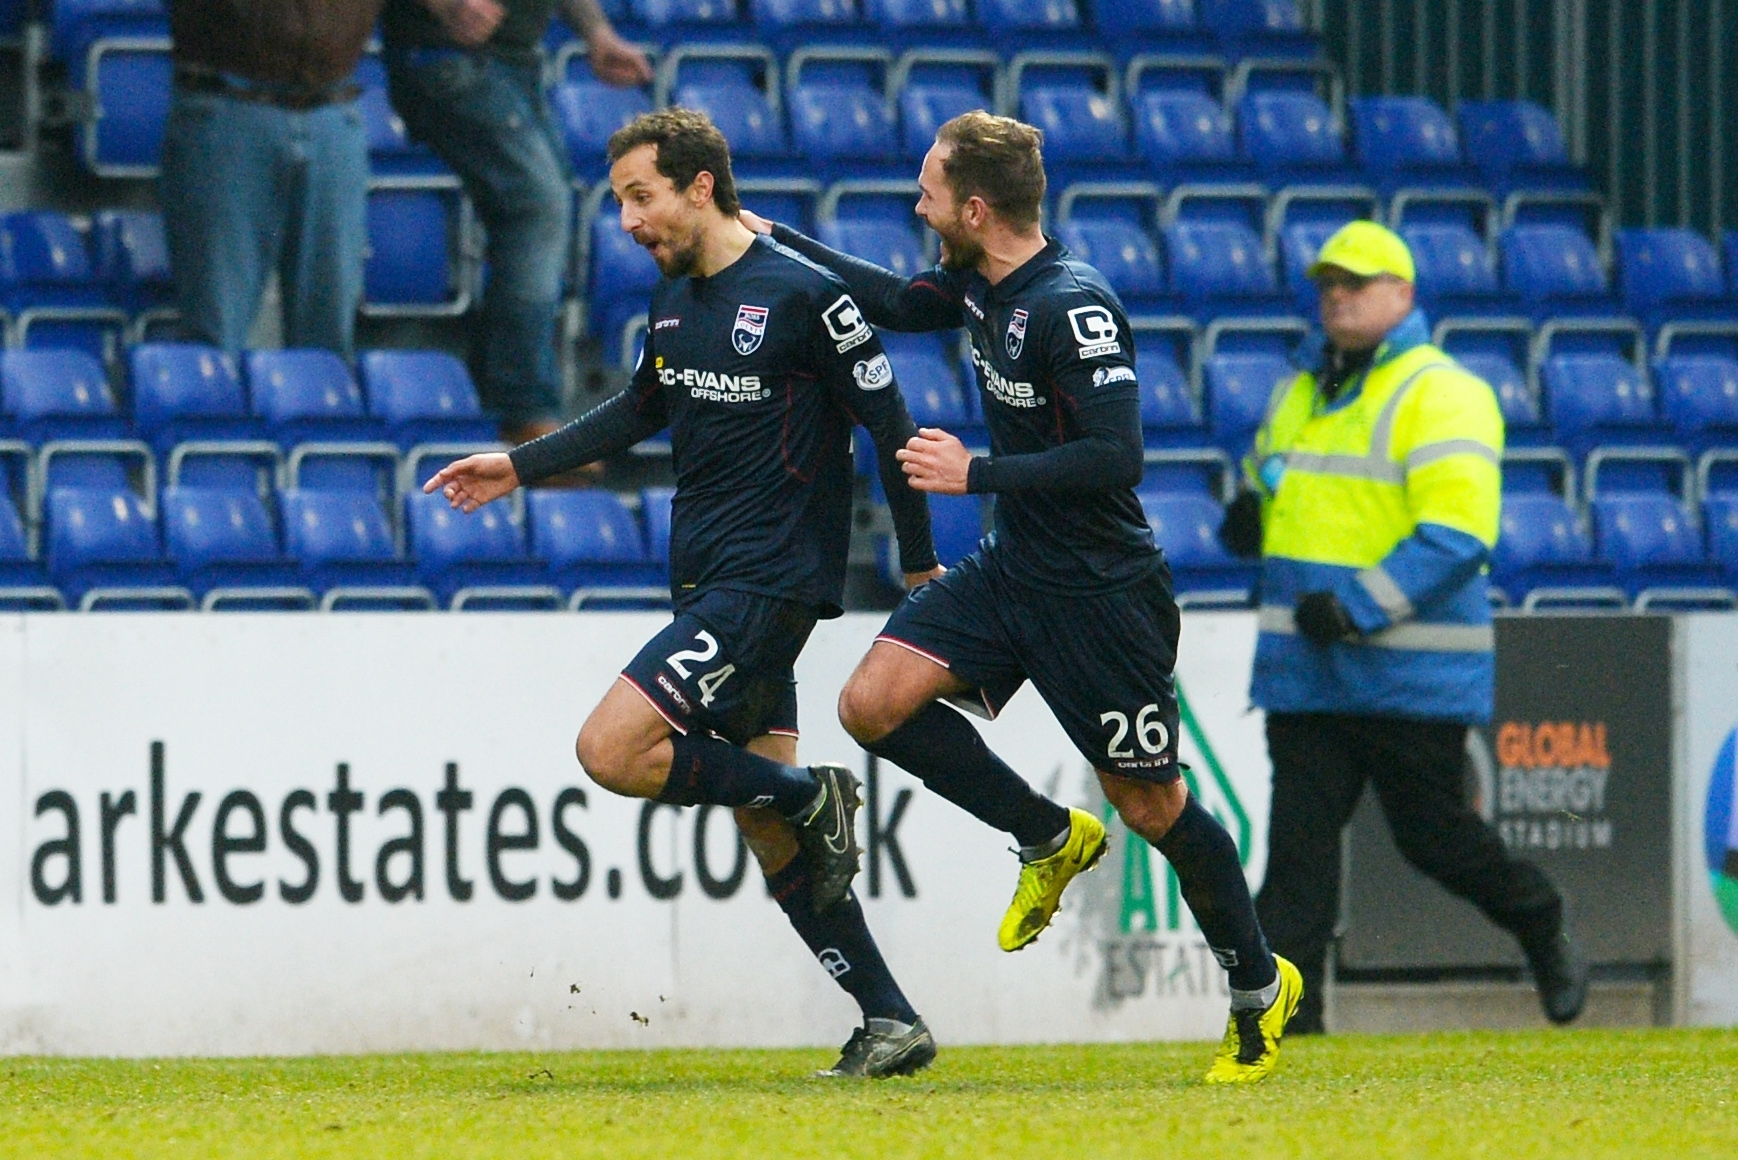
(760, 372)
(1056, 374)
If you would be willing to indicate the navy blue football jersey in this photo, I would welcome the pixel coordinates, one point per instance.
(1049, 342)
(760, 373)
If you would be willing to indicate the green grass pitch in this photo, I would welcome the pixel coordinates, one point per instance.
(1510, 1095)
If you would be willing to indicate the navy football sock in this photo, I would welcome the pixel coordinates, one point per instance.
(708, 771)
(1205, 858)
(839, 936)
(944, 750)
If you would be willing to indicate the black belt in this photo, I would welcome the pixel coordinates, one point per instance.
(300, 97)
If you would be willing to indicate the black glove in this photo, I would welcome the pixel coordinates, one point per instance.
(1241, 530)
(1323, 619)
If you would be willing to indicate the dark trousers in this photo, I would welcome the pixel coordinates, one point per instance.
(1320, 765)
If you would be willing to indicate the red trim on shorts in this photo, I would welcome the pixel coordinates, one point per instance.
(671, 721)
(907, 645)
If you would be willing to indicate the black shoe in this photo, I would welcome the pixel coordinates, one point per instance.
(1560, 972)
(878, 1054)
(828, 837)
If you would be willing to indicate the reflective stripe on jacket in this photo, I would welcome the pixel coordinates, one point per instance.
(1389, 498)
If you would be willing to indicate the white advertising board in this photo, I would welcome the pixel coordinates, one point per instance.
(249, 834)
(1707, 837)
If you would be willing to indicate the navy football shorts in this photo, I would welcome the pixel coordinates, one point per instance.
(1102, 663)
(726, 665)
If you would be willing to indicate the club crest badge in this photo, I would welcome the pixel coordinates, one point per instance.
(750, 328)
(1016, 337)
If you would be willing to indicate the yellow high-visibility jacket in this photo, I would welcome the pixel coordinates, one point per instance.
(1390, 499)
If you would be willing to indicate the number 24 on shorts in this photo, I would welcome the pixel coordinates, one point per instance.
(1149, 731)
(708, 682)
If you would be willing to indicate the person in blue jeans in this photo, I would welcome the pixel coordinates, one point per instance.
(467, 78)
(265, 167)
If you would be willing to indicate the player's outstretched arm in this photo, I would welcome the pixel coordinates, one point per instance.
(607, 429)
(475, 480)
(923, 303)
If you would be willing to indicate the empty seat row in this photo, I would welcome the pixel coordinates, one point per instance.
(185, 391)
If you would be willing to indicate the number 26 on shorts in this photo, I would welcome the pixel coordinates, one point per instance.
(1149, 731)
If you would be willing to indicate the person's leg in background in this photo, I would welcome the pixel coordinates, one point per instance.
(1419, 771)
(1317, 781)
(223, 210)
(489, 120)
(325, 233)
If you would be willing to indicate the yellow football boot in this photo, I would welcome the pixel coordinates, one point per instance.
(1042, 882)
(1251, 1044)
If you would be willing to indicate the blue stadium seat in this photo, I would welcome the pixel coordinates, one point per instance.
(56, 394)
(390, 149)
(1112, 226)
(223, 538)
(886, 243)
(1699, 397)
(776, 19)
(589, 540)
(655, 511)
(423, 396)
(184, 390)
(1243, 360)
(1720, 523)
(1520, 409)
(1164, 365)
(1654, 543)
(1082, 121)
(1128, 27)
(1186, 526)
(74, 24)
(101, 541)
(482, 551)
(342, 540)
(923, 20)
(1028, 23)
(1729, 245)
(1593, 380)
(1553, 268)
(1290, 136)
(679, 16)
(44, 259)
(737, 86)
(307, 395)
(1456, 273)
(1406, 141)
(1516, 144)
(934, 94)
(1217, 266)
(1669, 273)
(251, 465)
(1257, 27)
(1543, 555)
(129, 83)
(839, 110)
(415, 265)
(132, 258)
(791, 201)
(1299, 243)
(929, 381)
(588, 111)
(1184, 135)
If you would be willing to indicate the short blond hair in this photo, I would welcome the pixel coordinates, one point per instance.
(998, 159)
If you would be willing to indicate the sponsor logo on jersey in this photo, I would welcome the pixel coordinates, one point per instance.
(977, 311)
(713, 387)
(1016, 336)
(846, 324)
(750, 328)
(1005, 390)
(1104, 376)
(833, 961)
(873, 374)
(667, 324)
(1095, 331)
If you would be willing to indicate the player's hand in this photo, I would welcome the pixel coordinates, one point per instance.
(616, 62)
(474, 480)
(754, 222)
(936, 461)
(919, 579)
(470, 22)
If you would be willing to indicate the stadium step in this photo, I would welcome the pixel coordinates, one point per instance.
(1397, 1008)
